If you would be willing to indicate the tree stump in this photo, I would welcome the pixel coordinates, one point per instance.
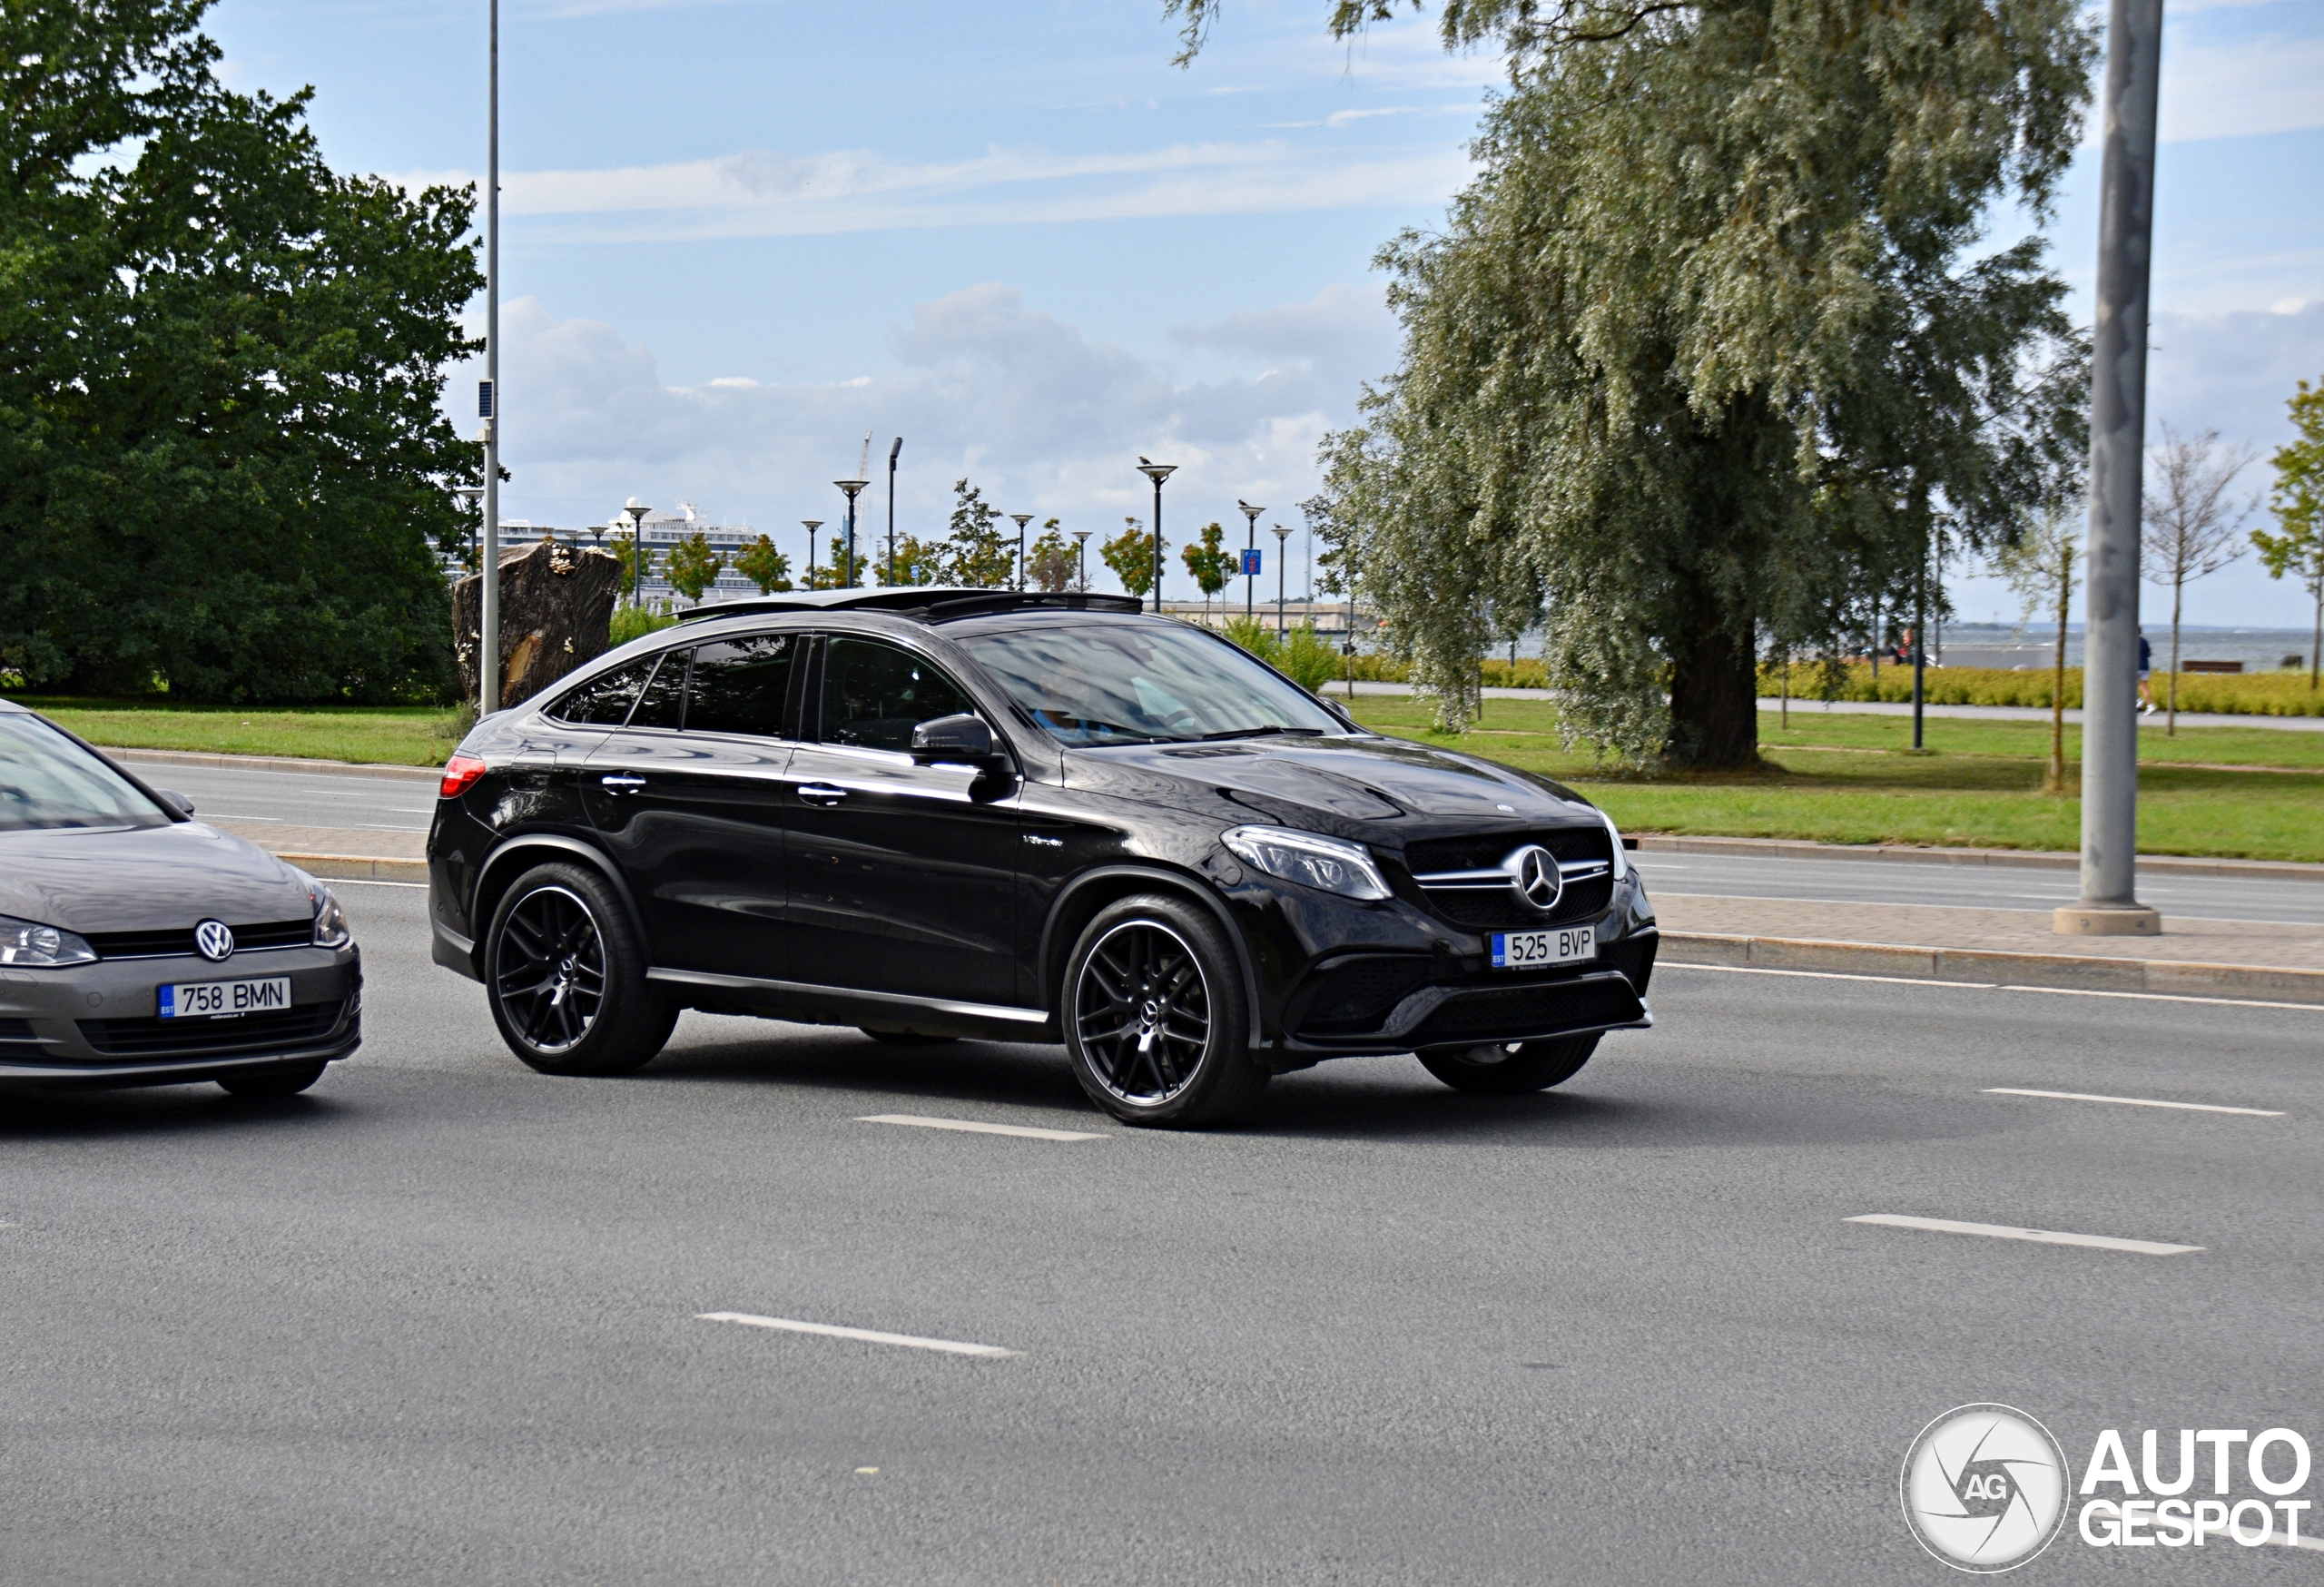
(557, 608)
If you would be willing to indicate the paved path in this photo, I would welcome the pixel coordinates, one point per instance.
(437, 1322)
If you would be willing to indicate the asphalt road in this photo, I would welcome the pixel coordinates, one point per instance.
(437, 1322)
(339, 799)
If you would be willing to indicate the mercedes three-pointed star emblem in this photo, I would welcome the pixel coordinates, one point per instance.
(1534, 873)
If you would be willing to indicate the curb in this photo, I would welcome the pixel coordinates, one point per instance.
(358, 867)
(2036, 859)
(1975, 967)
(179, 757)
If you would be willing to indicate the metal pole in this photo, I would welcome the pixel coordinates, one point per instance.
(1022, 519)
(1157, 545)
(1920, 650)
(1081, 550)
(892, 453)
(1250, 543)
(2110, 745)
(488, 658)
(1282, 538)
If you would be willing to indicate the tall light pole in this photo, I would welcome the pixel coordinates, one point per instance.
(635, 512)
(487, 657)
(1157, 472)
(1250, 543)
(1282, 538)
(2109, 906)
(1022, 519)
(893, 452)
(1081, 555)
(854, 488)
(812, 525)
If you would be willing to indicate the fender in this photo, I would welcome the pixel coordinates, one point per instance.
(538, 845)
(1176, 882)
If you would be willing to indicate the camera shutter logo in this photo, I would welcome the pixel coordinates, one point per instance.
(1984, 1488)
(213, 939)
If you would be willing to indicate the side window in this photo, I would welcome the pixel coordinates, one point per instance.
(740, 685)
(874, 694)
(663, 699)
(605, 700)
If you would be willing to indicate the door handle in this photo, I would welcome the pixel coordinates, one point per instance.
(821, 794)
(621, 782)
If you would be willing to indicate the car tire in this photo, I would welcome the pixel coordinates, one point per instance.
(280, 1082)
(905, 1038)
(564, 973)
(1156, 1019)
(1523, 1066)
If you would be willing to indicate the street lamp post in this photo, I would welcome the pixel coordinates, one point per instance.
(636, 511)
(1157, 472)
(473, 495)
(1022, 519)
(893, 452)
(1282, 538)
(812, 525)
(1250, 543)
(854, 488)
(1081, 556)
(488, 658)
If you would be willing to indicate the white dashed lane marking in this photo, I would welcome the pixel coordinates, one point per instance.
(976, 1126)
(2042, 1237)
(2133, 1102)
(863, 1336)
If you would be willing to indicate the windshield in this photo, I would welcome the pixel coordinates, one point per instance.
(1094, 683)
(48, 781)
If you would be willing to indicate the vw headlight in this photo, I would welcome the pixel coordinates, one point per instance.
(32, 946)
(330, 919)
(1309, 858)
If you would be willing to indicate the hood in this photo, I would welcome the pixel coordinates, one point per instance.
(141, 879)
(1364, 780)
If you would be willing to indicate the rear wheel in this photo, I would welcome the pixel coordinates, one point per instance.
(1504, 1069)
(1157, 1020)
(281, 1082)
(566, 976)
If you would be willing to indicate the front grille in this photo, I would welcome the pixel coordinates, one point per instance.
(179, 942)
(293, 1027)
(16, 1030)
(1357, 996)
(1541, 1008)
(1497, 907)
(18, 1044)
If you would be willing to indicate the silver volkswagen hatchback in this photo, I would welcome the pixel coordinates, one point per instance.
(139, 946)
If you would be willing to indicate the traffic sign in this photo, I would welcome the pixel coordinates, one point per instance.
(1251, 563)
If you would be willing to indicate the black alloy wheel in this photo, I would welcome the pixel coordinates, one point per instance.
(273, 1083)
(1506, 1069)
(1156, 1020)
(566, 978)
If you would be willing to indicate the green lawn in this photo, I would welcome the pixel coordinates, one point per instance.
(1847, 778)
(402, 736)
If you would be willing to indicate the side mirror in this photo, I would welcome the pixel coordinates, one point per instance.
(176, 800)
(963, 738)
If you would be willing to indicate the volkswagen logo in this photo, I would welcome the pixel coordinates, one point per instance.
(213, 939)
(1534, 873)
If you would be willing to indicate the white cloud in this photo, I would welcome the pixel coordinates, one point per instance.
(2258, 84)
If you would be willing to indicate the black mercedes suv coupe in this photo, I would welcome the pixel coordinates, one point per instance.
(939, 813)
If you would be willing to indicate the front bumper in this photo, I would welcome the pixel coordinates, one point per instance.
(96, 1023)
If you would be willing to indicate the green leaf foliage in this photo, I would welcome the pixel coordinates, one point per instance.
(1208, 561)
(1131, 555)
(1052, 562)
(222, 459)
(1707, 356)
(2295, 549)
(764, 565)
(978, 554)
(694, 566)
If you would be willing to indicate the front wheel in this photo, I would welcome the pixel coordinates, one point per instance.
(1504, 1069)
(1156, 1020)
(566, 977)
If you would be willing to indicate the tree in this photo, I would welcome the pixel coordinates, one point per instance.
(979, 556)
(916, 561)
(1707, 352)
(1130, 555)
(628, 550)
(764, 565)
(694, 566)
(2040, 568)
(2192, 528)
(1211, 564)
(2298, 502)
(218, 401)
(1050, 562)
(832, 574)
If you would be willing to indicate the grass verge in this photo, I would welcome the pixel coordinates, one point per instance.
(396, 736)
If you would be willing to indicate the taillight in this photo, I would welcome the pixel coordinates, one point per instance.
(460, 773)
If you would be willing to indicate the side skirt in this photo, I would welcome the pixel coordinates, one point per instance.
(838, 1005)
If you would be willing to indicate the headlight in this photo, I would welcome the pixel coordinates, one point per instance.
(1309, 858)
(1621, 861)
(330, 919)
(37, 947)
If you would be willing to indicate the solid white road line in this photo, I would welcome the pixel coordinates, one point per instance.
(2085, 991)
(2133, 1101)
(366, 882)
(2061, 991)
(975, 1126)
(1945, 1225)
(867, 1336)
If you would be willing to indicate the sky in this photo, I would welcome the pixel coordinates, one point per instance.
(739, 234)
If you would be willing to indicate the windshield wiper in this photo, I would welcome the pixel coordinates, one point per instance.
(1261, 733)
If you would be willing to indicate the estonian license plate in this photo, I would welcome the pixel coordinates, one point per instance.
(1539, 949)
(197, 999)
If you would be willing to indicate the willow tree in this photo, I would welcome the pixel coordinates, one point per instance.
(1707, 354)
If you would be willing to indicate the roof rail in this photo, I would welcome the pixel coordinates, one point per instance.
(928, 603)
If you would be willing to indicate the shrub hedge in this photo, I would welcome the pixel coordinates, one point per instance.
(2266, 694)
